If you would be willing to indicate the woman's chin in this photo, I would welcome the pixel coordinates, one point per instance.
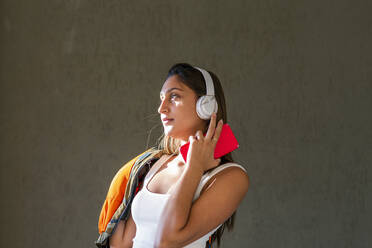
(169, 132)
(175, 134)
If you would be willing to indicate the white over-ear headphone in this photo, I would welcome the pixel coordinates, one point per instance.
(207, 104)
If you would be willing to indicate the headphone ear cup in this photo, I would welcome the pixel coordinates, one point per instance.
(205, 106)
(199, 110)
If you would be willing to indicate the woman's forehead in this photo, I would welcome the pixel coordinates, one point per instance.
(173, 83)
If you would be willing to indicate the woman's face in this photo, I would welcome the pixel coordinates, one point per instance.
(178, 103)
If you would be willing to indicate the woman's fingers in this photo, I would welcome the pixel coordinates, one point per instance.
(218, 131)
(212, 126)
(199, 135)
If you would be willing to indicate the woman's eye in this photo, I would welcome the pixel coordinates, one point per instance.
(172, 96)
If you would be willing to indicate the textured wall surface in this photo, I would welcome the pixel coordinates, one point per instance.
(79, 90)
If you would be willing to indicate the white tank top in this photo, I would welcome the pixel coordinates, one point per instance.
(147, 208)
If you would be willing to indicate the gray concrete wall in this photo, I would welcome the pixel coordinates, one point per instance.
(79, 92)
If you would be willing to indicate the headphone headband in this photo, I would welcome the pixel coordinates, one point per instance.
(208, 81)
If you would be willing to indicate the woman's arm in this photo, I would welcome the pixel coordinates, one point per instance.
(184, 222)
(124, 234)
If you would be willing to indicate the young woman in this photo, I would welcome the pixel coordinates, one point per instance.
(165, 211)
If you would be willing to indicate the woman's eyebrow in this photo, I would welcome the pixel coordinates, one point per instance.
(174, 88)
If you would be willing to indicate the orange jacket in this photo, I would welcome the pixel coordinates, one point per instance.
(115, 194)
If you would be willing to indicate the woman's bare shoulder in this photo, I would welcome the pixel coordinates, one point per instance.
(227, 174)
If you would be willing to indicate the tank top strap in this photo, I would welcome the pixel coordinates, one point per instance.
(210, 174)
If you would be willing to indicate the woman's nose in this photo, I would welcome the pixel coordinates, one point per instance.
(163, 107)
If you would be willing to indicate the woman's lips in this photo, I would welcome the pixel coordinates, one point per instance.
(166, 121)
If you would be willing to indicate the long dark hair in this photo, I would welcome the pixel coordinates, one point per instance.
(194, 79)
